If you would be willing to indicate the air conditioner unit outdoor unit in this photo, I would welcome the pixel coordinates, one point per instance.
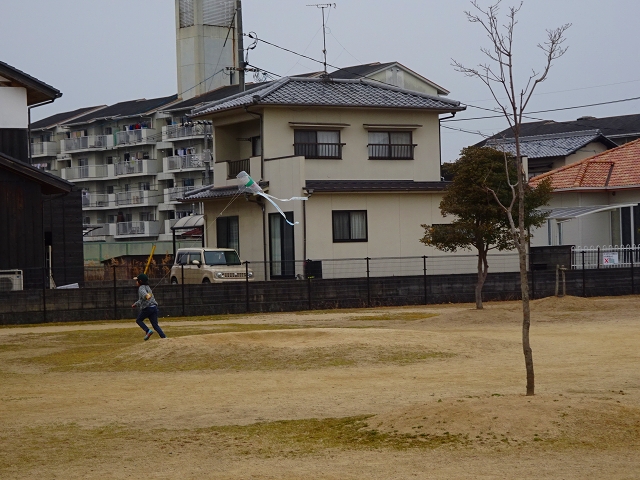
(10, 280)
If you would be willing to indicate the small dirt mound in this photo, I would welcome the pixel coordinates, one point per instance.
(515, 420)
(564, 304)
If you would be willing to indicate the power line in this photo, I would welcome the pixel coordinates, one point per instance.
(543, 111)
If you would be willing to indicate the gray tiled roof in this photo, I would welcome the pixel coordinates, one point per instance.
(553, 145)
(331, 93)
(612, 127)
(210, 192)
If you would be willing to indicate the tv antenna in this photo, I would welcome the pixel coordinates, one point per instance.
(324, 28)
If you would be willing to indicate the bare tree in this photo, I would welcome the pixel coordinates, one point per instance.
(498, 74)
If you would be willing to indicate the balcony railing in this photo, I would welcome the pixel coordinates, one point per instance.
(236, 166)
(391, 151)
(137, 197)
(85, 172)
(99, 234)
(99, 200)
(136, 167)
(183, 162)
(318, 150)
(173, 194)
(135, 229)
(91, 142)
(95, 200)
(44, 149)
(175, 132)
(131, 137)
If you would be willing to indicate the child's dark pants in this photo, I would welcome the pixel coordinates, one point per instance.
(152, 314)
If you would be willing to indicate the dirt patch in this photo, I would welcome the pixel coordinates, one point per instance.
(434, 389)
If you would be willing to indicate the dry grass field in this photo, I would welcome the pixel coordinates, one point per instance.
(388, 393)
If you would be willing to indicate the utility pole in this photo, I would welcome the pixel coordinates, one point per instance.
(324, 29)
(241, 63)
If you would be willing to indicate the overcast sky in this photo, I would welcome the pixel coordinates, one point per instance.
(106, 52)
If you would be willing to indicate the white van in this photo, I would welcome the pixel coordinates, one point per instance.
(208, 265)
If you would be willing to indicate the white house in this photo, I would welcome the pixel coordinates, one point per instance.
(367, 155)
(596, 201)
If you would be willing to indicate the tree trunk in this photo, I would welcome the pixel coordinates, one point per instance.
(526, 322)
(483, 270)
(524, 277)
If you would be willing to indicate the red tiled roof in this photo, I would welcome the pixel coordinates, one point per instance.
(616, 168)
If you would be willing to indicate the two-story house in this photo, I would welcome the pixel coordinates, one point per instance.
(366, 154)
(40, 230)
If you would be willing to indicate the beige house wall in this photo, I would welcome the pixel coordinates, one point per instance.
(403, 79)
(355, 163)
(393, 224)
(587, 151)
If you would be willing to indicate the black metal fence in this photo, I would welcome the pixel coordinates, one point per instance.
(109, 291)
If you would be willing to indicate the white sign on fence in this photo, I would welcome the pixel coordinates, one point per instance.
(610, 258)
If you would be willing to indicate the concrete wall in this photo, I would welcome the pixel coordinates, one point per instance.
(200, 53)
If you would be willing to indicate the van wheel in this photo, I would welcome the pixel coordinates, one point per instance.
(174, 281)
(206, 280)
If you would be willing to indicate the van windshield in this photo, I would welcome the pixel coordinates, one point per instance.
(221, 258)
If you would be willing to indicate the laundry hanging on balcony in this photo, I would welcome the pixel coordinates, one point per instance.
(248, 184)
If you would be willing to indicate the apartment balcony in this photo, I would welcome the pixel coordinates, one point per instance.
(91, 142)
(99, 233)
(225, 171)
(136, 137)
(179, 163)
(136, 167)
(138, 198)
(237, 166)
(173, 194)
(137, 229)
(85, 172)
(98, 201)
(44, 149)
(172, 133)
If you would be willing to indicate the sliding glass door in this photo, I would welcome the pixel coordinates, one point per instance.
(281, 246)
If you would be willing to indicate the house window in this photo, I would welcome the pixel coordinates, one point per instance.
(146, 217)
(350, 226)
(317, 144)
(560, 236)
(111, 219)
(144, 186)
(188, 182)
(86, 220)
(110, 189)
(281, 246)
(228, 233)
(390, 146)
(108, 130)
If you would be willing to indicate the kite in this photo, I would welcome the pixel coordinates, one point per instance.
(248, 184)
